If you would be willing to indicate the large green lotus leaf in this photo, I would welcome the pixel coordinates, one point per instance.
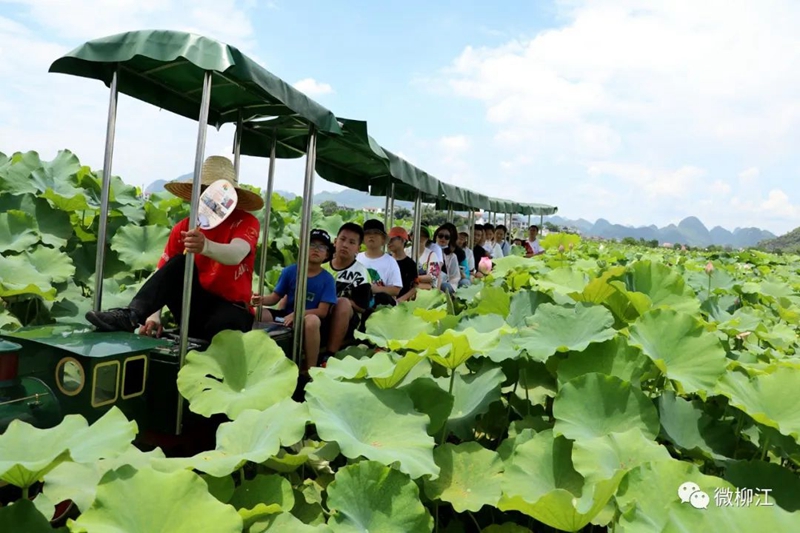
(380, 424)
(506, 349)
(23, 517)
(720, 280)
(18, 231)
(687, 426)
(56, 181)
(594, 405)
(508, 527)
(54, 227)
(238, 371)
(685, 519)
(8, 321)
(783, 484)
(472, 394)
(368, 496)
(613, 357)
(560, 329)
(51, 263)
(140, 247)
(284, 523)
(769, 399)
(149, 501)
(501, 267)
(604, 457)
(17, 277)
(427, 300)
(16, 171)
(254, 436)
(431, 399)
(681, 348)
(664, 286)
(781, 336)
(393, 327)
(385, 369)
(492, 301)
(469, 479)
(262, 496)
(78, 481)
(28, 453)
(525, 304)
(534, 383)
(561, 282)
(452, 348)
(626, 306)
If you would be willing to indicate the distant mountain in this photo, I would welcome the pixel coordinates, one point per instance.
(789, 242)
(689, 231)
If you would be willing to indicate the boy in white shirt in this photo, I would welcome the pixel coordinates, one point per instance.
(383, 269)
(491, 247)
(532, 246)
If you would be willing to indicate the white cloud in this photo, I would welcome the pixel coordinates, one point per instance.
(749, 176)
(312, 87)
(778, 204)
(720, 187)
(455, 143)
(656, 183)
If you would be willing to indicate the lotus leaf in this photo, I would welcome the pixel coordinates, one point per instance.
(393, 327)
(613, 357)
(534, 383)
(262, 496)
(140, 247)
(473, 394)
(508, 527)
(560, 329)
(18, 231)
(148, 501)
(51, 264)
(285, 522)
(681, 348)
(220, 487)
(662, 285)
(15, 173)
(758, 475)
(767, 398)
(747, 519)
(380, 424)
(451, 349)
(561, 282)
(470, 476)
(525, 304)
(431, 399)
(17, 277)
(492, 301)
(23, 516)
(385, 369)
(254, 436)
(368, 496)
(602, 458)
(8, 321)
(238, 371)
(689, 427)
(594, 405)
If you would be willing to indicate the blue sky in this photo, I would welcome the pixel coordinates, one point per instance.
(604, 108)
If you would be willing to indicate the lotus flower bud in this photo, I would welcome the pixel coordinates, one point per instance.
(571, 246)
(561, 248)
(709, 268)
(743, 335)
(485, 265)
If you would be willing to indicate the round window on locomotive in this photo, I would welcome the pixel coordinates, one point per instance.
(70, 377)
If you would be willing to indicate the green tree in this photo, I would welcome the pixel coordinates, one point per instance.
(329, 208)
(402, 213)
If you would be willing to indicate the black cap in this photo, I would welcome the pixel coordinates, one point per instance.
(374, 224)
(324, 237)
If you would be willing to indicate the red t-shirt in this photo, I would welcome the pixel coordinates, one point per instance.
(231, 282)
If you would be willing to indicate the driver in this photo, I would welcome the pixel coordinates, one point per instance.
(223, 274)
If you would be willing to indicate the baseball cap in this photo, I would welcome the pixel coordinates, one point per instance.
(374, 224)
(397, 231)
(322, 236)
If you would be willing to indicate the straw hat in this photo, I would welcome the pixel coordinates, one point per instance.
(217, 167)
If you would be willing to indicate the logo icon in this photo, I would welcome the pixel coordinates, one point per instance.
(690, 493)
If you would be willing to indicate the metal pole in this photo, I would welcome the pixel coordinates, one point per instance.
(541, 221)
(415, 251)
(265, 228)
(302, 260)
(188, 272)
(386, 211)
(471, 230)
(237, 143)
(391, 209)
(102, 229)
(529, 220)
(450, 212)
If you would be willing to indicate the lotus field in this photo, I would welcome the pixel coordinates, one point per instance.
(596, 386)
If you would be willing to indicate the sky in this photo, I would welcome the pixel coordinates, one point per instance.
(637, 112)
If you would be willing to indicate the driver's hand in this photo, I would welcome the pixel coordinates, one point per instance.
(151, 328)
(193, 241)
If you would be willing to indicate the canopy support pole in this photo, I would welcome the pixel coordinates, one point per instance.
(471, 230)
(391, 210)
(450, 212)
(262, 267)
(541, 221)
(237, 143)
(302, 260)
(386, 209)
(188, 273)
(529, 221)
(102, 230)
(415, 251)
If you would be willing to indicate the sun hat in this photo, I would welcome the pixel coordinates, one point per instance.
(398, 231)
(464, 230)
(217, 167)
(374, 224)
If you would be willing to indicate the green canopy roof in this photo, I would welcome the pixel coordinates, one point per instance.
(351, 159)
(166, 69)
(407, 180)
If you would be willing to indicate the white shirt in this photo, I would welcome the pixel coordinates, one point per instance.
(493, 249)
(385, 267)
(535, 246)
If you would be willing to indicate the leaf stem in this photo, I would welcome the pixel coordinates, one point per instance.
(450, 392)
(477, 525)
(765, 448)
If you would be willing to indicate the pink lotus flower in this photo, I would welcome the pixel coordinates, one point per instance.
(709, 268)
(683, 248)
(485, 266)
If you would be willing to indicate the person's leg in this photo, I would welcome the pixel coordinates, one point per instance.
(311, 339)
(340, 319)
(219, 316)
(163, 287)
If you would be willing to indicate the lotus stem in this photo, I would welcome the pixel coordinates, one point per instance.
(765, 448)
(477, 525)
(26, 493)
